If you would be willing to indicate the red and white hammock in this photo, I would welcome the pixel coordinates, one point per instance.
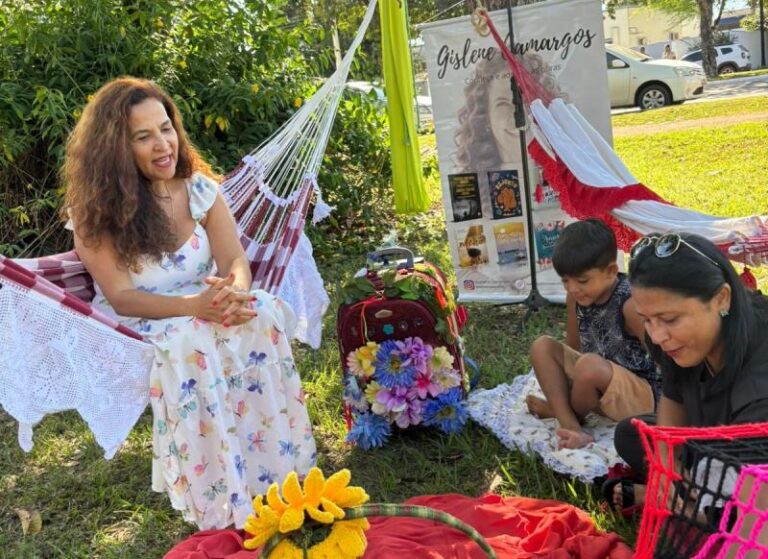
(58, 353)
(592, 181)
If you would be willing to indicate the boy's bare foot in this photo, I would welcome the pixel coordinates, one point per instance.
(539, 407)
(568, 438)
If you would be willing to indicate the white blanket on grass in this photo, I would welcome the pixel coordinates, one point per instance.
(503, 410)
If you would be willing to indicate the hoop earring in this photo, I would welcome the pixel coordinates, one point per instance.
(723, 313)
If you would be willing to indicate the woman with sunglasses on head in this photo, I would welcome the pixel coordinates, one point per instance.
(706, 332)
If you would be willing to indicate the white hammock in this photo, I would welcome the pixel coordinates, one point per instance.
(593, 182)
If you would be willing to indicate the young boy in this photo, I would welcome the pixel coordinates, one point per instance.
(602, 367)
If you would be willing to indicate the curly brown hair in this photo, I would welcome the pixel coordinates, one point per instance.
(476, 147)
(106, 194)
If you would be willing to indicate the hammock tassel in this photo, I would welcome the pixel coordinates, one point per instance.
(322, 208)
(748, 279)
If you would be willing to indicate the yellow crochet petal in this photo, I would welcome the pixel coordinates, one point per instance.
(258, 504)
(314, 484)
(361, 523)
(252, 525)
(274, 500)
(324, 550)
(286, 550)
(320, 516)
(332, 508)
(292, 490)
(336, 482)
(292, 519)
(350, 497)
(351, 540)
(259, 539)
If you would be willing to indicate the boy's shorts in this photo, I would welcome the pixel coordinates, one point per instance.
(627, 394)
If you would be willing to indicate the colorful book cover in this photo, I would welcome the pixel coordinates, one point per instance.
(504, 188)
(465, 196)
(470, 242)
(511, 244)
(546, 235)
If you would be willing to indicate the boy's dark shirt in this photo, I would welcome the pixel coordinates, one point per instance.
(601, 331)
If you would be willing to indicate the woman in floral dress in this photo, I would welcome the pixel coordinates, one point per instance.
(150, 226)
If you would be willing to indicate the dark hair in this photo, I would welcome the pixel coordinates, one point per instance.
(689, 274)
(582, 246)
(106, 193)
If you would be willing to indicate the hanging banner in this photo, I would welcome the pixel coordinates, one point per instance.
(478, 146)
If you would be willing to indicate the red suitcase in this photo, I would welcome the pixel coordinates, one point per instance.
(398, 329)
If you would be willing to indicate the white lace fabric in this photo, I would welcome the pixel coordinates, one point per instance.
(53, 359)
(503, 411)
(303, 290)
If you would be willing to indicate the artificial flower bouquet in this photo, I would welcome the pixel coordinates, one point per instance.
(402, 382)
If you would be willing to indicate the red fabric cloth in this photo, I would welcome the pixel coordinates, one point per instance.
(516, 528)
(212, 544)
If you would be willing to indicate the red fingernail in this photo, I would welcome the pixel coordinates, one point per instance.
(253, 299)
(226, 324)
(214, 304)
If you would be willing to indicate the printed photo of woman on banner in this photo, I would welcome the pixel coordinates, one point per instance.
(478, 145)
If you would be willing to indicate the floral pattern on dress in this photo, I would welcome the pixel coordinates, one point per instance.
(228, 406)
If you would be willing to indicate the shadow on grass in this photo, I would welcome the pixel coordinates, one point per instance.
(90, 507)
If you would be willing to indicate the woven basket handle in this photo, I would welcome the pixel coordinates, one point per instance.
(413, 511)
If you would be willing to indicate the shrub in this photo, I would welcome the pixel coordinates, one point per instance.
(234, 69)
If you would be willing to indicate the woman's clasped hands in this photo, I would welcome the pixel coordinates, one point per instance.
(224, 303)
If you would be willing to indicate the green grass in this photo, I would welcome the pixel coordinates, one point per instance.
(747, 74)
(693, 111)
(92, 508)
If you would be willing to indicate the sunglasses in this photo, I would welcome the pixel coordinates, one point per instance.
(665, 246)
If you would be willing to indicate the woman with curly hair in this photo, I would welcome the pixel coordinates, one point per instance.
(487, 138)
(151, 227)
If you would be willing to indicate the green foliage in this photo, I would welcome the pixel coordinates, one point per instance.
(355, 179)
(236, 70)
(751, 22)
(680, 8)
(422, 285)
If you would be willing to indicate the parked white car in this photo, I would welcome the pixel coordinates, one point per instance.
(637, 79)
(730, 58)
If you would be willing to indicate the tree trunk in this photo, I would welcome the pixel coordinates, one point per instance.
(709, 56)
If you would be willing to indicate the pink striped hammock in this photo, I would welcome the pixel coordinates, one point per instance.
(592, 181)
(63, 277)
(49, 330)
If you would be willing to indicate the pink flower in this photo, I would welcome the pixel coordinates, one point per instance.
(411, 415)
(393, 399)
(420, 353)
(425, 385)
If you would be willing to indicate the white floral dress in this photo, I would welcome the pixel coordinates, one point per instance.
(229, 413)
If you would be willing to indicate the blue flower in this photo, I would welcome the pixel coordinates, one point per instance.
(448, 411)
(392, 367)
(353, 396)
(369, 431)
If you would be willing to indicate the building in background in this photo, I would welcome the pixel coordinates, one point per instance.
(633, 27)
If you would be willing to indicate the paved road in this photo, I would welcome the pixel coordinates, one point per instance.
(725, 89)
(737, 87)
